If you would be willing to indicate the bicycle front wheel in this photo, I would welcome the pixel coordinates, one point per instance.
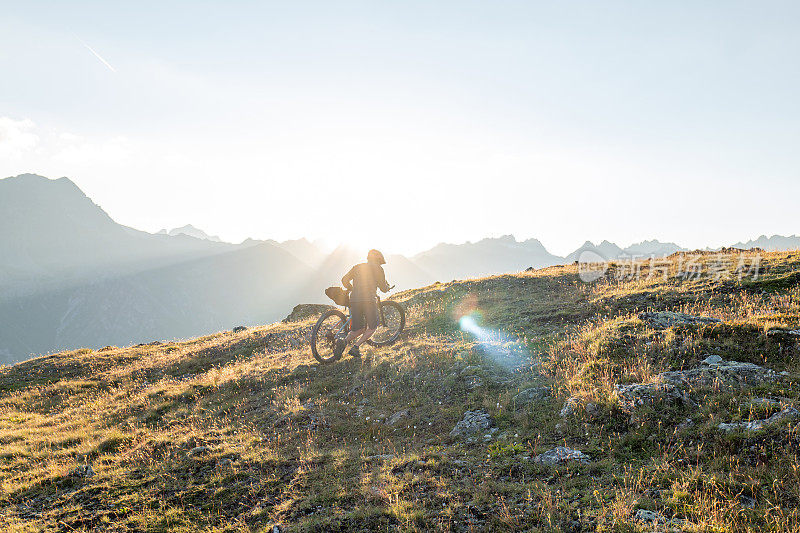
(323, 335)
(391, 321)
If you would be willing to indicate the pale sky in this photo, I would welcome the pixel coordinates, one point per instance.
(402, 124)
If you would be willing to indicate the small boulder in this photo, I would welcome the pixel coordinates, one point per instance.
(675, 386)
(570, 407)
(82, 471)
(651, 517)
(527, 396)
(398, 417)
(668, 319)
(755, 425)
(561, 454)
(198, 450)
(304, 311)
(712, 360)
(473, 422)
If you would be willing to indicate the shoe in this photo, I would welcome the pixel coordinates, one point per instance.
(338, 348)
(355, 352)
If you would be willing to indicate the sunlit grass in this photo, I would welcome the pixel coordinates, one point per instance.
(237, 432)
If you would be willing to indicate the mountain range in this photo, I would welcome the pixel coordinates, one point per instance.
(71, 277)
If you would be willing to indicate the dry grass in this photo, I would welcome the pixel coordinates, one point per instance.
(237, 432)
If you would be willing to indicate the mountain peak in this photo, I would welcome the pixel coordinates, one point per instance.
(192, 231)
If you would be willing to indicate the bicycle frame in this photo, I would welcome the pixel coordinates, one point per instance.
(345, 327)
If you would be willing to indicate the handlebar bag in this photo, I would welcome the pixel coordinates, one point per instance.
(338, 295)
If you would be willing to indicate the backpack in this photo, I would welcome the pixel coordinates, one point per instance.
(338, 295)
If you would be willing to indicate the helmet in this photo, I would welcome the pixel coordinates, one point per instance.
(374, 256)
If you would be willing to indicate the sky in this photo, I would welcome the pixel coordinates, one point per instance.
(399, 125)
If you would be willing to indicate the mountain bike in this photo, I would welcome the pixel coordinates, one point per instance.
(334, 324)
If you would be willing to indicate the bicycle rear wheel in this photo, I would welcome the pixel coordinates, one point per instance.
(391, 321)
(323, 335)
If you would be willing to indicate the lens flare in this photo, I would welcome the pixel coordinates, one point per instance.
(504, 349)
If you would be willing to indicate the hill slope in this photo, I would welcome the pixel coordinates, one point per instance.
(447, 429)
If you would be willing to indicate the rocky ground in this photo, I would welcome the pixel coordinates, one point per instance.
(666, 402)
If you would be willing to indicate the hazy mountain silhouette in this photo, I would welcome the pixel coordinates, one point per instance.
(304, 250)
(609, 250)
(51, 235)
(486, 257)
(772, 244)
(254, 285)
(72, 277)
(191, 231)
(652, 248)
(591, 252)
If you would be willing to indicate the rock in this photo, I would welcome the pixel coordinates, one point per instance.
(304, 311)
(763, 402)
(777, 332)
(592, 409)
(675, 386)
(570, 406)
(686, 424)
(82, 471)
(755, 425)
(668, 319)
(526, 396)
(237, 329)
(747, 501)
(712, 360)
(198, 450)
(561, 454)
(472, 423)
(473, 382)
(643, 515)
(398, 417)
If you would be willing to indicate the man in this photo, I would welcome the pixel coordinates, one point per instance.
(362, 281)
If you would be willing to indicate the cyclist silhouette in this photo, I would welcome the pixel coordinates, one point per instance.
(363, 281)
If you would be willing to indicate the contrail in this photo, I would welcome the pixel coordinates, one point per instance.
(98, 56)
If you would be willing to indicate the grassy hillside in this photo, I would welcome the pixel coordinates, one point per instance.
(244, 431)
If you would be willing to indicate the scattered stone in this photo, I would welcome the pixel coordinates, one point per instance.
(668, 319)
(763, 402)
(570, 406)
(747, 501)
(198, 450)
(303, 311)
(238, 329)
(473, 382)
(686, 424)
(561, 454)
(472, 423)
(755, 425)
(712, 360)
(526, 396)
(398, 417)
(592, 409)
(778, 332)
(643, 515)
(674, 387)
(82, 471)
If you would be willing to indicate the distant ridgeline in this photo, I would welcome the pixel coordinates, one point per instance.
(71, 277)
